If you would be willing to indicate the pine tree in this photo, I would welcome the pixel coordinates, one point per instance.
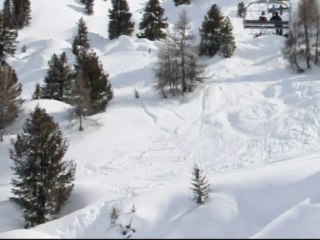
(241, 9)
(200, 186)
(10, 91)
(89, 7)
(228, 44)
(8, 12)
(58, 79)
(120, 19)
(7, 38)
(80, 41)
(43, 180)
(180, 2)
(37, 92)
(21, 13)
(210, 32)
(152, 23)
(100, 88)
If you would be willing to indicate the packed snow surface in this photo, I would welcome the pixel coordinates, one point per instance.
(252, 126)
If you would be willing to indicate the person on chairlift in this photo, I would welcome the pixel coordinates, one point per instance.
(263, 17)
(276, 18)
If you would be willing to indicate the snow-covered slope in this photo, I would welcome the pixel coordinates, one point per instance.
(252, 126)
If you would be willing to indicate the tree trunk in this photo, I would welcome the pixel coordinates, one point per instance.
(307, 41)
(316, 59)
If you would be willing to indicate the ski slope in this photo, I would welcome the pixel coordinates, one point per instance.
(253, 126)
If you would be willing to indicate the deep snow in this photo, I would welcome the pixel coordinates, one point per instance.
(252, 126)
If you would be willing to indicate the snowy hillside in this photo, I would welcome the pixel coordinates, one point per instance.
(253, 126)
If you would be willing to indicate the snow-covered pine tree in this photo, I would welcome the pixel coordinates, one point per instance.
(37, 92)
(180, 2)
(7, 38)
(81, 41)
(228, 44)
(120, 19)
(210, 32)
(152, 23)
(58, 81)
(100, 88)
(200, 186)
(88, 8)
(43, 180)
(21, 13)
(10, 91)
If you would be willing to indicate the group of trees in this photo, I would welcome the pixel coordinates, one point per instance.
(85, 85)
(14, 15)
(17, 12)
(302, 45)
(178, 69)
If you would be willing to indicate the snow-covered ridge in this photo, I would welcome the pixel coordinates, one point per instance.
(252, 126)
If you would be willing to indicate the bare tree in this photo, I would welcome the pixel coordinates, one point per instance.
(307, 13)
(316, 52)
(81, 99)
(178, 67)
(10, 100)
(290, 50)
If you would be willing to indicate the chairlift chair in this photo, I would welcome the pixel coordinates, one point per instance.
(254, 9)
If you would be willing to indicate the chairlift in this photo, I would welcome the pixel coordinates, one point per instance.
(254, 9)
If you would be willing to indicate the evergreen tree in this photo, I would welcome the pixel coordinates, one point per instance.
(180, 2)
(200, 186)
(228, 44)
(80, 41)
(7, 38)
(152, 23)
(100, 87)
(210, 32)
(10, 91)
(8, 12)
(44, 180)
(58, 80)
(120, 19)
(21, 13)
(89, 7)
(241, 9)
(37, 92)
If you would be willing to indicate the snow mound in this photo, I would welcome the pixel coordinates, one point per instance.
(28, 234)
(124, 43)
(301, 221)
